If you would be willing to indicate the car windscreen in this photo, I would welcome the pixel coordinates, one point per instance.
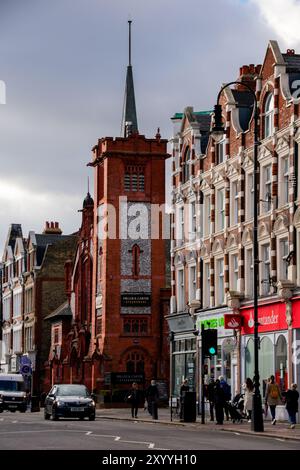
(11, 386)
(72, 390)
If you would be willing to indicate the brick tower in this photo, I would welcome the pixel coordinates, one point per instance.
(130, 298)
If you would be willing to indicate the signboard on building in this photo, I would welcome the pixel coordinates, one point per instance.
(270, 317)
(232, 322)
(183, 322)
(135, 300)
(126, 378)
(214, 321)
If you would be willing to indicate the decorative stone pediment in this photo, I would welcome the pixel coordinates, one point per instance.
(247, 236)
(281, 224)
(219, 176)
(204, 252)
(264, 152)
(282, 145)
(231, 242)
(179, 258)
(218, 246)
(205, 184)
(247, 161)
(297, 135)
(179, 198)
(191, 256)
(232, 169)
(296, 220)
(263, 230)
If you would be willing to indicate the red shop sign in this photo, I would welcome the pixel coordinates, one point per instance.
(270, 317)
(296, 313)
(232, 322)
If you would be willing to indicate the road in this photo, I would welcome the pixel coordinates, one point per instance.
(31, 432)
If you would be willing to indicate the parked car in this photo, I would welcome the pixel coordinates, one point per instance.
(69, 400)
(12, 393)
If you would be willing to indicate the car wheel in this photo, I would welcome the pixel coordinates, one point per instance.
(92, 418)
(54, 416)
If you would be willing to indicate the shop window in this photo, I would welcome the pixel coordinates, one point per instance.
(281, 362)
(187, 165)
(266, 351)
(249, 359)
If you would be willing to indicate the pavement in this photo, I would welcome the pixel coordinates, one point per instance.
(281, 430)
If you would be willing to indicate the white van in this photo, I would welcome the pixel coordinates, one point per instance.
(12, 393)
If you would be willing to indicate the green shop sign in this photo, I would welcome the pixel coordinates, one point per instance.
(210, 322)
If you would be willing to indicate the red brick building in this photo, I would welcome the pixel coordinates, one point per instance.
(112, 329)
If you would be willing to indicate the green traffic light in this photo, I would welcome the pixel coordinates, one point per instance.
(212, 350)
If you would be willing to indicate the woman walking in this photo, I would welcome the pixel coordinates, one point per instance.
(273, 397)
(248, 389)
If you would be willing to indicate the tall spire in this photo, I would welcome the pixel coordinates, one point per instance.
(129, 119)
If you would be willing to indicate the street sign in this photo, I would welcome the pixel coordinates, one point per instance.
(25, 370)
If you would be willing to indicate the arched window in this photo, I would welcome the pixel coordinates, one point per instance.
(269, 115)
(187, 169)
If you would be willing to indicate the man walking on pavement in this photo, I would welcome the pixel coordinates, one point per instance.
(152, 398)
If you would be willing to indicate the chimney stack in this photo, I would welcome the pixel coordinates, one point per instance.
(52, 228)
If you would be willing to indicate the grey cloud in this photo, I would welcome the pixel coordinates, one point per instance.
(64, 62)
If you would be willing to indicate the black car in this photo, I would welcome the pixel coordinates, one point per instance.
(69, 401)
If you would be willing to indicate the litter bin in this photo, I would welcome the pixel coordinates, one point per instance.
(35, 404)
(189, 411)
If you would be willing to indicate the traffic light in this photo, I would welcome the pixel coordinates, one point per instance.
(210, 342)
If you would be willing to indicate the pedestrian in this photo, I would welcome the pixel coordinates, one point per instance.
(211, 397)
(133, 397)
(219, 399)
(184, 388)
(152, 399)
(227, 395)
(273, 397)
(291, 399)
(248, 389)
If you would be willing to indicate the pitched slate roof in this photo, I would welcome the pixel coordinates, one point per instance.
(63, 311)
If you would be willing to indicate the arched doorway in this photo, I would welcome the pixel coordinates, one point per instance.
(249, 359)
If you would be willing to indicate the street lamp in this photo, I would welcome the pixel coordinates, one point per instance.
(217, 134)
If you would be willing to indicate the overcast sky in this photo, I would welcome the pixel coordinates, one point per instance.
(64, 64)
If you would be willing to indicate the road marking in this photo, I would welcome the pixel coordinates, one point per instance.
(117, 438)
(88, 433)
(14, 422)
(237, 433)
(151, 445)
(280, 440)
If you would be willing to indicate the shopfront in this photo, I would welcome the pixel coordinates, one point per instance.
(225, 363)
(273, 344)
(296, 340)
(183, 351)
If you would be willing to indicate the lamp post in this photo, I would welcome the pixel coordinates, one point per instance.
(217, 134)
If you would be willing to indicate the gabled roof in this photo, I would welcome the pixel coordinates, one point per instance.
(63, 311)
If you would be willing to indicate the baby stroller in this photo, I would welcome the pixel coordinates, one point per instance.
(236, 407)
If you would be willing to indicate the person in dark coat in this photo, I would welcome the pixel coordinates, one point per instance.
(291, 399)
(211, 397)
(133, 397)
(152, 396)
(184, 388)
(227, 395)
(219, 399)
